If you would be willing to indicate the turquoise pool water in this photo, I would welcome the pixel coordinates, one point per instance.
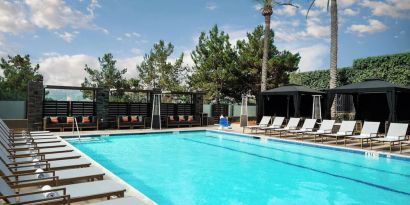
(207, 167)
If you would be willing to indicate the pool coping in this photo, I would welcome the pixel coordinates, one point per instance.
(323, 146)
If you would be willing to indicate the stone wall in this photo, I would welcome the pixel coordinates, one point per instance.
(35, 93)
(102, 102)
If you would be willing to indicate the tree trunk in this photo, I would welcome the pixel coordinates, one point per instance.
(333, 50)
(265, 52)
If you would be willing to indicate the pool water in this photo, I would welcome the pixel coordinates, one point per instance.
(207, 167)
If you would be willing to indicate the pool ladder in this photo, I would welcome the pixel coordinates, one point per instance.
(76, 125)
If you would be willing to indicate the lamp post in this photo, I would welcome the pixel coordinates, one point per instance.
(316, 107)
(156, 112)
(244, 111)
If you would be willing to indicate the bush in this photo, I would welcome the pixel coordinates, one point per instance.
(392, 68)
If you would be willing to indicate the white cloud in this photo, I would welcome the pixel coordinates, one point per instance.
(131, 65)
(350, 12)
(68, 70)
(286, 10)
(52, 14)
(236, 35)
(257, 7)
(136, 34)
(20, 16)
(92, 6)
(373, 27)
(392, 8)
(346, 3)
(314, 29)
(211, 6)
(322, 4)
(13, 17)
(67, 36)
(188, 59)
(132, 34)
(312, 56)
(65, 69)
(119, 39)
(291, 30)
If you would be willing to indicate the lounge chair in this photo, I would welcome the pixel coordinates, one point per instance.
(292, 125)
(396, 133)
(48, 157)
(24, 135)
(402, 143)
(30, 150)
(20, 168)
(120, 201)
(346, 129)
(38, 138)
(50, 177)
(72, 193)
(29, 143)
(369, 130)
(307, 126)
(325, 128)
(263, 123)
(30, 164)
(276, 124)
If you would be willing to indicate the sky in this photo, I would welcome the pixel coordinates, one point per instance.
(63, 36)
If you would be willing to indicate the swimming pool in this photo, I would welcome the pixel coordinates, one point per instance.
(207, 167)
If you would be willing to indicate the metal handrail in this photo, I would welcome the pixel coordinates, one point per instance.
(78, 131)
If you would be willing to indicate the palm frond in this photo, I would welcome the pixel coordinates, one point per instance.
(311, 5)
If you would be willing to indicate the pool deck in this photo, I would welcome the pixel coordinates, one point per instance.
(329, 142)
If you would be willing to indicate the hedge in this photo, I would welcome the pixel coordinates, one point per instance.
(392, 68)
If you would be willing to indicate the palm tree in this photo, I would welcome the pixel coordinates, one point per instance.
(333, 46)
(267, 12)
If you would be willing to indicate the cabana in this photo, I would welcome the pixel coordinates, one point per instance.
(289, 100)
(376, 100)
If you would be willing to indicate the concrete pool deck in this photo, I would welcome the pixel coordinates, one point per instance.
(132, 192)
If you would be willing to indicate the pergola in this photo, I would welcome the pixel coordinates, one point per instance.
(289, 100)
(376, 100)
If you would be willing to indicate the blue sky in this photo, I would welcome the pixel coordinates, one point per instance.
(62, 36)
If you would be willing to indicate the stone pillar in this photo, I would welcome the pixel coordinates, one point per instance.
(101, 105)
(35, 98)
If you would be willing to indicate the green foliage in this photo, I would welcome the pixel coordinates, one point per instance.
(280, 63)
(107, 76)
(156, 72)
(392, 68)
(18, 72)
(215, 68)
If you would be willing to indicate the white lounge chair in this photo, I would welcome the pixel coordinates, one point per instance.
(25, 135)
(76, 192)
(263, 123)
(276, 124)
(50, 177)
(30, 164)
(369, 130)
(326, 127)
(292, 125)
(396, 133)
(345, 129)
(29, 143)
(308, 126)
